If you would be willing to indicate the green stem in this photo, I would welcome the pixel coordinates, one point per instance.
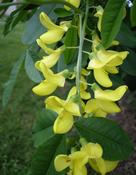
(79, 60)
(40, 3)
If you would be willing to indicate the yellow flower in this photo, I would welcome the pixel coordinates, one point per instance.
(75, 161)
(55, 32)
(52, 81)
(75, 3)
(100, 108)
(103, 166)
(46, 49)
(66, 109)
(99, 15)
(103, 62)
(111, 95)
(51, 59)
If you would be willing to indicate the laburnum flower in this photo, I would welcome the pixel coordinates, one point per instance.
(51, 59)
(51, 82)
(54, 32)
(75, 3)
(76, 161)
(103, 166)
(104, 101)
(65, 109)
(103, 62)
(99, 15)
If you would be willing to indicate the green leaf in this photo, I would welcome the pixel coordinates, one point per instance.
(31, 71)
(33, 28)
(14, 18)
(43, 159)
(61, 12)
(43, 130)
(115, 142)
(129, 65)
(111, 21)
(71, 40)
(9, 85)
(133, 14)
(126, 36)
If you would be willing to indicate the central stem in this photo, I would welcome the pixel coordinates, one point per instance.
(80, 52)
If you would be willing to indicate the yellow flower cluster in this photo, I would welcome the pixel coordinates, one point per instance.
(102, 62)
(89, 153)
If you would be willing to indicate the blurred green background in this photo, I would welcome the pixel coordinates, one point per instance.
(17, 118)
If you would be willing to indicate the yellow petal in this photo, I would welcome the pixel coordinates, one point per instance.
(73, 2)
(103, 166)
(46, 21)
(112, 95)
(63, 123)
(72, 108)
(112, 70)
(61, 162)
(50, 60)
(85, 95)
(54, 103)
(100, 113)
(79, 158)
(108, 106)
(56, 79)
(91, 106)
(44, 47)
(44, 88)
(52, 36)
(93, 150)
(102, 77)
(99, 14)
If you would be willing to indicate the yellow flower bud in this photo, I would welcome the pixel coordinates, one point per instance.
(75, 3)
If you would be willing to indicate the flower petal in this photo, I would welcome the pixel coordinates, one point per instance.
(52, 36)
(111, 95)
(54, 103)
(102, 77)
(63, 123)
(93, 150)
(44, 47)
(44, 88)
(72, 108)
(61, 162)
(73, 2)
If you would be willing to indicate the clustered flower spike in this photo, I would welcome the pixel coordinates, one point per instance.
(102, 63)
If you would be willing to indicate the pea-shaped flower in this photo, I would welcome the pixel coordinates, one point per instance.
(66, 109)
(51, 82)
(76, 161)
(99, 15)
(54, 32)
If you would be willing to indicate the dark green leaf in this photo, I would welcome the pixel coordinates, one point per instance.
(133, 14)
(111, 21)
(61, 12)
(31, 71)
(43, 130)
(71, 40)
(43, 159)
(12, 80)
(126, 36)
(129, 65)
(115, 142)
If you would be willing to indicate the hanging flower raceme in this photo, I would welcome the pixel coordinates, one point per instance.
(55, 32)
(103, 62)
(77, 160)
(51, 82)
(75, 3)
(65, 109)
(104, 101)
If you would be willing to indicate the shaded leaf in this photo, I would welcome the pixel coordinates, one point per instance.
(133, 14)
(61, 12)
(31, 71)
(115, 142)
(111, 21)
(9, 85)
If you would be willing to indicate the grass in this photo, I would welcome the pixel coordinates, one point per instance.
(17, 118)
